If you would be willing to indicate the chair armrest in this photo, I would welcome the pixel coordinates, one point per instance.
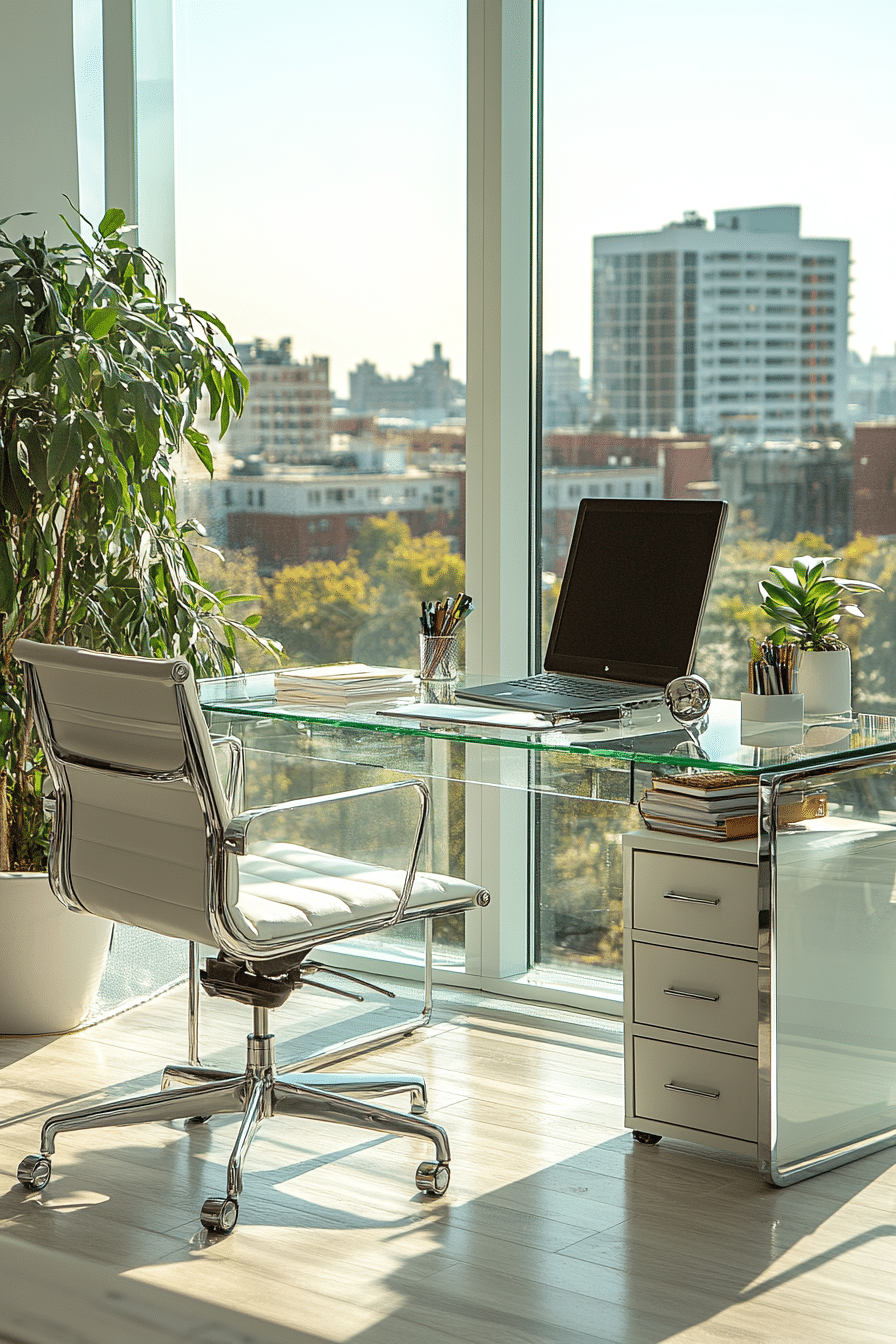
(237, 833)
(233, 786)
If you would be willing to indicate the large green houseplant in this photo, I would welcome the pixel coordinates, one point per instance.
(101, 376)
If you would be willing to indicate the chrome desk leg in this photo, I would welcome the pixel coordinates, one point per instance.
(193, 1006)
(373, 1040)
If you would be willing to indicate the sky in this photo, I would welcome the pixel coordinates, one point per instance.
(321, 156)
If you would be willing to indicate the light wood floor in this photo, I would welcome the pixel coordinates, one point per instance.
(555, 1228)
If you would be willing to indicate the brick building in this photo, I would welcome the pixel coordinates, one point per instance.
(686, 461)
(874, 466)
(291, 516)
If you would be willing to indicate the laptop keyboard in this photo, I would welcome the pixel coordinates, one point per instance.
(576, 688)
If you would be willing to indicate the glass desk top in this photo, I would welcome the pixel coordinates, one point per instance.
(647, 736)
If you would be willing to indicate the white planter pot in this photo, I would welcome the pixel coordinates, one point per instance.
(51, 959)
(825, 681)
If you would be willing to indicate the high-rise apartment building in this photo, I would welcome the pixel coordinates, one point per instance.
(287, 415)
(739, 329)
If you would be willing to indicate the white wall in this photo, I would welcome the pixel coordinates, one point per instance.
(38, 142)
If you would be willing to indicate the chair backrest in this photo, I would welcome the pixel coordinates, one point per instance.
(140, 811)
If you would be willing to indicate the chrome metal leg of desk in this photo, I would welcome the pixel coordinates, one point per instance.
(373, 1040)
(193, 1006)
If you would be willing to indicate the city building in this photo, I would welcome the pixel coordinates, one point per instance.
(684, 462)
(740, 329)
(287, 415)
(872, 386)
(563, 487)
(789, 487)
(289, 515)
(874, 458)
(428, 395)
(564, 401)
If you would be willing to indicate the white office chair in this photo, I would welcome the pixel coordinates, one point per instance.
(143, 834)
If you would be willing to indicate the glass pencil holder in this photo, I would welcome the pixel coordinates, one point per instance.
(439, 657)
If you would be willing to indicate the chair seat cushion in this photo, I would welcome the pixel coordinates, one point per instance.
(287, 890)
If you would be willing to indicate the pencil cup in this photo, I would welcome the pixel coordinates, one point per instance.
(438, 657)
(771, 720)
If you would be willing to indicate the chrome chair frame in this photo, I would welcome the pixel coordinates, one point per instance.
(353, 1046)
(258, 1091)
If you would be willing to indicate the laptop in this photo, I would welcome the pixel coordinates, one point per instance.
(628, 617)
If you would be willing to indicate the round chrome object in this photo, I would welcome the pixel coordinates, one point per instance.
(433, 1177)
(219, 1215)
(34, 1171)
(688, 698)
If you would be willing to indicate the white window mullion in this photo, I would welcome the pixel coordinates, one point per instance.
(138, 80)
(499, 474)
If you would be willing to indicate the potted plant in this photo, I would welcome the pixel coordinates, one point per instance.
(810, 604)
(101, 376)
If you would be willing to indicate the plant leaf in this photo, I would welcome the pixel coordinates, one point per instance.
(65, 448)
(113, 220)
(100, 321)
(200, 446)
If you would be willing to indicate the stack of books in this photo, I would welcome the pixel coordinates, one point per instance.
(718, 805)
(342, 684)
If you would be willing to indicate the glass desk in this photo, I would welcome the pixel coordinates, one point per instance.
(826, 910)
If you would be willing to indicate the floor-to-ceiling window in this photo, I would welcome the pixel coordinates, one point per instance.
(719, 321)
(320, 212)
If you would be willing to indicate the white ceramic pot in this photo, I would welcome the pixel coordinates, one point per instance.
(51, 959)
(825, 681)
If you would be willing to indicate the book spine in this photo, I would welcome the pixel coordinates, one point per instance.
(701, 807)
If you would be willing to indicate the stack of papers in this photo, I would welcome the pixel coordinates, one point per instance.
(342, 684)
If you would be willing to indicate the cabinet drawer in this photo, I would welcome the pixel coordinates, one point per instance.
(695, 898)
(713, 996)
(677, 1083)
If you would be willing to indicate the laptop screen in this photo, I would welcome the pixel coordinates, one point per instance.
(635, 587)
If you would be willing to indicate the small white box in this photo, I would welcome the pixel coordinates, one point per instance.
(771, 720)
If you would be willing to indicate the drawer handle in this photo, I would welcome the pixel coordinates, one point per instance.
(692, 994)
(694, 1091)
(694, 900)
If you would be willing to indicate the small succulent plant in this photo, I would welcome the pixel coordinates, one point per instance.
(809, 603)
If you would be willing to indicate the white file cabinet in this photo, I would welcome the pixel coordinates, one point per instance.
(691, 997)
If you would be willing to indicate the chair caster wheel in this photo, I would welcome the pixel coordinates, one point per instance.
(640, 1137)
(219, 1215)
(34, 1171)
(433, 1177)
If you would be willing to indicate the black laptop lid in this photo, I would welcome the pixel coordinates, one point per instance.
(635, 587)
